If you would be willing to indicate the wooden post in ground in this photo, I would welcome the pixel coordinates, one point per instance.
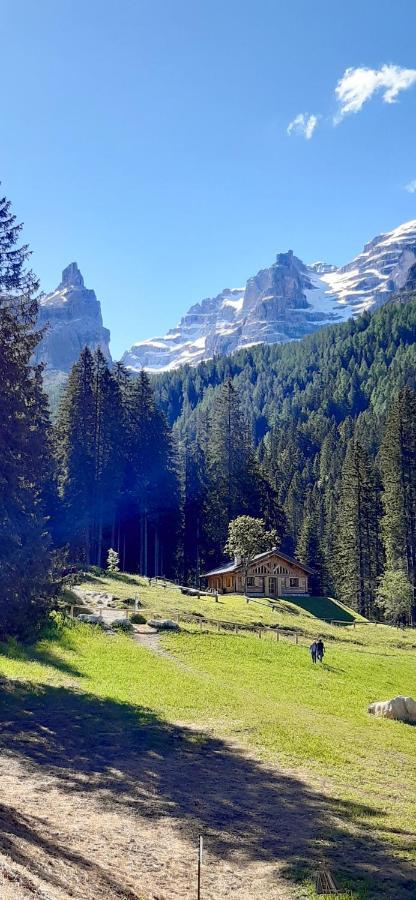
(296, 638)
(200, 851)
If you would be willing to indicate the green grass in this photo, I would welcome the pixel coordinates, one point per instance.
(326, 608)
(234, 608)
(267, 696)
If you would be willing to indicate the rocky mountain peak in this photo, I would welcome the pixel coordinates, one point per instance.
(71, 319)
(283, 302)
(71, 277)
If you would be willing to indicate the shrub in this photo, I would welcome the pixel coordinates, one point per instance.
(137, 619)
(122, 624)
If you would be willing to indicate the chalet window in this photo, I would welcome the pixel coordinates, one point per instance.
(250, 581)
(294, 582)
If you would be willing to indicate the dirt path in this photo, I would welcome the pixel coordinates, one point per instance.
(95, 808)
(150, 639)
(100, 801)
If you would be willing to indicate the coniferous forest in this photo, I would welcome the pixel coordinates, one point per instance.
(316, 437)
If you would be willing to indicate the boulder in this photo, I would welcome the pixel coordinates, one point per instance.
(100, 598)
(403, 709)
(90, 619)
(163, 624)
(122, 624)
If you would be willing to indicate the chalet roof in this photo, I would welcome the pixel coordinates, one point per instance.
(234, 567)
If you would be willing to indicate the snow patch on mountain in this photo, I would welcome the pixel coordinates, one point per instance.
(282, 303)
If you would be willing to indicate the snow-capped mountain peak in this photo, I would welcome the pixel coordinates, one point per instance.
(282, 303)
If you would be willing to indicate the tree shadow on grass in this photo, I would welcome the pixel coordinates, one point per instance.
(34, 653)
(132, 760)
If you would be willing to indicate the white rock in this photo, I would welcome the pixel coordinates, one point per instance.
(90, 619)
(403, 709)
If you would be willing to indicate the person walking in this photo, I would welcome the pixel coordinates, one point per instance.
(320, 649)
(313, 651)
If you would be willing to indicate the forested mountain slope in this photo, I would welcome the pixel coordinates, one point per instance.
(338, 372)
(333, 419)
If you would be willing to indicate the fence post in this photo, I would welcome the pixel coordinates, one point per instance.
(296, 638)
(200, 849)
(277, 634)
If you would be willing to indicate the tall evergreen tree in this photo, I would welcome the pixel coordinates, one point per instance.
(195, 497)
(358, 557)
(310, 552)
(75, 432)
(26, 568)
(233, 471)
(398, 466)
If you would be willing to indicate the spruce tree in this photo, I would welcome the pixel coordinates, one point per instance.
(75, 453)
(233, 471)
(310, 552)
(26, 568)
(398, 466)
(357, 562)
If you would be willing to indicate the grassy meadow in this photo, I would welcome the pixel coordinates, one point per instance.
(339, 783)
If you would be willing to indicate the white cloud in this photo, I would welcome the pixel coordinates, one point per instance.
(358, 85)
(411, 186)
(303, 124)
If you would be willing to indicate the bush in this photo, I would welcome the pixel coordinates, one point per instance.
(137, 619)
(122, 624)
(96, 570)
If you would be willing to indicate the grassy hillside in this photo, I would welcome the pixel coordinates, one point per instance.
(277, 762)
(159, 601)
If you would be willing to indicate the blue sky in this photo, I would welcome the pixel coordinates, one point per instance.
(148, 140)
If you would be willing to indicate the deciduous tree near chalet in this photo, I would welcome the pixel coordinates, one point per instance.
(247, 537)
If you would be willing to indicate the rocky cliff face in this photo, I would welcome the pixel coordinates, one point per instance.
(282, 303)
(71, 316)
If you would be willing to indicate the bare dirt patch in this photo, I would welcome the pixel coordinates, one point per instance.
(101, 800)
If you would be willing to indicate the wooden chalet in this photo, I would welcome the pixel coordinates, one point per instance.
(270, 574)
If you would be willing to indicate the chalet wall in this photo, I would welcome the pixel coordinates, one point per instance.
(270, 577)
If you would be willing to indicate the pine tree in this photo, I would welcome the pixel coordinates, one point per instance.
(358, 557)
(194, 501)
(26, 567)
(233, 471)
(90, 437)
(310, 552)
(151, 510)
(75, 436)
(398, 466)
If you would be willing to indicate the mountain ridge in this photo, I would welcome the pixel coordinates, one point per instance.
(283, 302)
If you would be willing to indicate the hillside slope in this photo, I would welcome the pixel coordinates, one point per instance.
(291, 764)
(339, 372)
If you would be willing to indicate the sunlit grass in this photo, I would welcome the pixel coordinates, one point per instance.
(264, 694)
